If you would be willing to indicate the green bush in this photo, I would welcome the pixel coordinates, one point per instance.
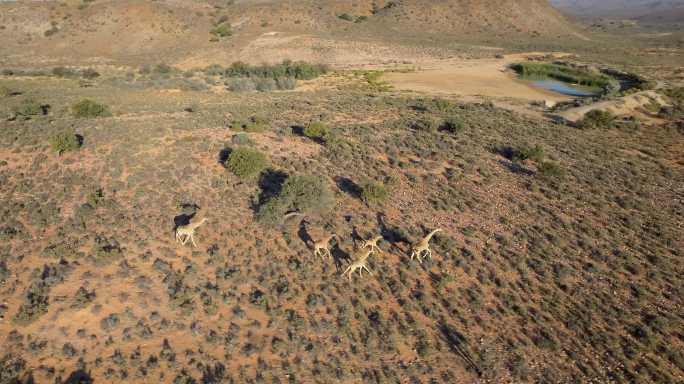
(316, 130)
(535, 154)
(87, 108)
(374, 193)
(28, 108)
(64, 142)
(549, 170)
(453, 124)
(253, 124)
(246, 163)
(320, 131)
(597, 118)
(347, 17)
(305, 194)
(222, 30)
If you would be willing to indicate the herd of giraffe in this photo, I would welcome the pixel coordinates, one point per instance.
(321, 248)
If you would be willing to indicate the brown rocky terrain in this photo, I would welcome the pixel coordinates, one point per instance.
(560, 255)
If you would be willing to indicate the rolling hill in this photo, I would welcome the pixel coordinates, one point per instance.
(178, 31)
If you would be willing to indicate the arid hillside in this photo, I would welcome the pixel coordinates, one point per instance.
(127, 31)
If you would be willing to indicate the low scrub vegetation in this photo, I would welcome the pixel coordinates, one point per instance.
(88, 109)
(534, 154)
(253, 124)
(65, 142)
(30, 108)
(549, 169)
(246, 163)
(87, 73)
(222, 30)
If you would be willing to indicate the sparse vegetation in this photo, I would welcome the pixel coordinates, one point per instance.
(253, 124)
(559, 256)
(30, 108)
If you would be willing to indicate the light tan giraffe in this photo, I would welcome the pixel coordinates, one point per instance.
(185, 232)
(372, 244)
(423, 247)
(359, 264)
(321, 247)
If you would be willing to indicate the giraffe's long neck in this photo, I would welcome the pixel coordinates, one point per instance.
(429, 236)
(195, 225)
(364, 256)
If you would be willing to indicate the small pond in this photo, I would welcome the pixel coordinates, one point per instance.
(565, 88)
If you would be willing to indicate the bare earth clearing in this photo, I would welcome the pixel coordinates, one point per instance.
(475, 77)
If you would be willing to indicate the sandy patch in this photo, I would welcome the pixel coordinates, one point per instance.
(479, 77)
(632, 105)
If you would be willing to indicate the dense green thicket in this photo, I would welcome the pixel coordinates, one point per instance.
(309, 195)
(566, 74)
(299, 70)
(246, 163)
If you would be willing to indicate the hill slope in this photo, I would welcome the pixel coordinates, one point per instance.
(177, 31)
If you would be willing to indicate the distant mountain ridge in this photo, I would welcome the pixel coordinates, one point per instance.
(644, 10)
